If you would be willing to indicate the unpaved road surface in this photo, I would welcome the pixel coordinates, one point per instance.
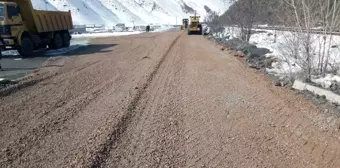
(160, 100)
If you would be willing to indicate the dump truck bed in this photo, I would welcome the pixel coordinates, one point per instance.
(47, 21)
(40, 21)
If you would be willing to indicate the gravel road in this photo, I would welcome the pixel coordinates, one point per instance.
(160, 100)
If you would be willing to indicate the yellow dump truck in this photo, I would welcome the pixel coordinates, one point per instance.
(26, 29)
(195, 27)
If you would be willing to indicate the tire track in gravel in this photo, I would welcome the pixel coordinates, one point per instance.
(61, 105)
(27, 81)
(154, 138)
(61, 77)
(32, 138)
(189, 105)
(98, 158)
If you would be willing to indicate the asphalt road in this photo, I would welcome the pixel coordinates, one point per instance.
(160, 100)
(14, 66)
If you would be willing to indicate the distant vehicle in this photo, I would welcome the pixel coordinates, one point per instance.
(26, 29)
(129, 29)
(185, 23)
(78, 29)
(120, 27)
(140, 28)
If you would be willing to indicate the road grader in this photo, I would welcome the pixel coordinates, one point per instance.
(195, 27)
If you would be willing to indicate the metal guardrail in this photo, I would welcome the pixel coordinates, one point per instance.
(293, 29)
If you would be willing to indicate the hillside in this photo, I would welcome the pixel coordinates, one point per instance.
(111, 12)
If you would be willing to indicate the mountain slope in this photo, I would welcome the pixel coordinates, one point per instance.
(138, 12)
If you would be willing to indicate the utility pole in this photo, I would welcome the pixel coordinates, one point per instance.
(133, 24)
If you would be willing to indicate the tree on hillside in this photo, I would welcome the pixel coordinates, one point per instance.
(214, 22)
(307, 14)
(310, 50)
(330, 21)
(244, 13)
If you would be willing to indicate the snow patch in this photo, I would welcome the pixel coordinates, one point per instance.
(326, 81)
(96, 35)
(281, 48)
(280, 44)
(63, 50)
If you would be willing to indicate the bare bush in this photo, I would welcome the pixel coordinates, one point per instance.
(243, 14)
(330, 20)
(213, 20)
(314, 49)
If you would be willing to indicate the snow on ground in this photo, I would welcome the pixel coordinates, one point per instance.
(108, 34)
(78, 41)
(82, 40)
(74, 45)
(63, 50)
(326, 81)
(10, 52)
(164, 29)
(282, 48)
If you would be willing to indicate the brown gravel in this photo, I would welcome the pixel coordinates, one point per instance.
(160, 100)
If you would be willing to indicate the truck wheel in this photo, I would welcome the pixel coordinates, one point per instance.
(57, 42)
(26, 48)
(200, 27)
(66, 40)
(42, 46)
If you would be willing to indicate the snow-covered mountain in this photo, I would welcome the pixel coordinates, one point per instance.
(138, 12)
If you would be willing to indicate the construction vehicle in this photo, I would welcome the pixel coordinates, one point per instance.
(26, 29)
(185, 23)
(195, 26)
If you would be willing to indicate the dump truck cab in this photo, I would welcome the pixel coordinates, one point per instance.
(195, 25)
(26, 29)
(10, 22)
